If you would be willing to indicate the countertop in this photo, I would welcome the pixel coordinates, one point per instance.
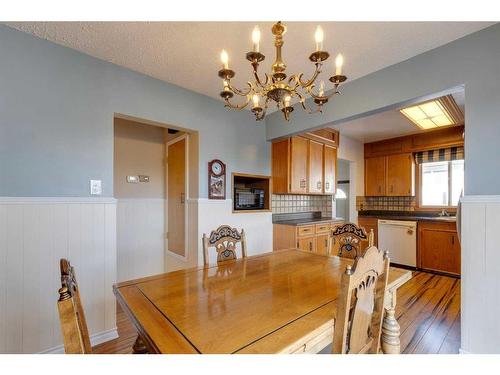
(303, 218)
(405, 216)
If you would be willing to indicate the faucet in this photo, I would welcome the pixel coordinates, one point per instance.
(444, 213)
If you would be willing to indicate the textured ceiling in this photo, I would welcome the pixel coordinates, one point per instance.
(187, 53)
(385, 125)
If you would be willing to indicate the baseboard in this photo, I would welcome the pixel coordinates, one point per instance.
(95, 339)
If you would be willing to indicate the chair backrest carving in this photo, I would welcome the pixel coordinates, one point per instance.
(349, 237)
(71, 315)
(361, 304)
(224, 239)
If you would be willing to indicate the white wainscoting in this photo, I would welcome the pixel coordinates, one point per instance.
(34, 234)
(140, 237)
(480, 330)
(258, 226)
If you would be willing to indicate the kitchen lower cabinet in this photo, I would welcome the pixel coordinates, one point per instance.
(369, 223)
(307, 244)
(438, 247)
(307, 237)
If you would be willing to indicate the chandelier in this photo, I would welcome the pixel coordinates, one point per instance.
(277, 86)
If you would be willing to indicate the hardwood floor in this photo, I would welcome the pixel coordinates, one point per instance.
(428, 311)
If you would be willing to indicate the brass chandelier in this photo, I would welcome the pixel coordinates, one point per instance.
(277, 86)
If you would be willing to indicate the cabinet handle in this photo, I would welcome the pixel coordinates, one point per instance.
(326, 243)
(327, 186)
(302, 183)
(318, 185)
(452, 239)
(310, 246)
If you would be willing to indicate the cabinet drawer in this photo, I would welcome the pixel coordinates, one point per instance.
(305, 230)
(323, 228)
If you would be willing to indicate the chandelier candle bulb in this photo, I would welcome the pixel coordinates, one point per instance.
(256, 38)
(321, 88)
(255, 100)
(287, 101)
(339, 61)
(224, 58)
(318, 37)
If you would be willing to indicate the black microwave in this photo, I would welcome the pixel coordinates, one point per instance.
(248, 199)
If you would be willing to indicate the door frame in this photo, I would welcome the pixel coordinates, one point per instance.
(184, 258)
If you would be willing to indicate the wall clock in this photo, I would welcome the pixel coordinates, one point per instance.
(216, 180)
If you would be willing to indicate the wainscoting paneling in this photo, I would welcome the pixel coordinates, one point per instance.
(480, 331)
(34, 234)
(141, 237)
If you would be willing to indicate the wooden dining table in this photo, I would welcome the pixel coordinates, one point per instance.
(278, 302)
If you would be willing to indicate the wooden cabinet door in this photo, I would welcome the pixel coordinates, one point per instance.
(298, 165)
(369, 223)
(439, 250)
(322, 244)
(330, 169)
(400, 173)
(307, 244)
(375, 176)
(315, 167)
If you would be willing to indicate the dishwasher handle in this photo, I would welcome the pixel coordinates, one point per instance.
(392, 224)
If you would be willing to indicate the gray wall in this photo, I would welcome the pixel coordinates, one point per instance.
(56, 120)
(473, 61)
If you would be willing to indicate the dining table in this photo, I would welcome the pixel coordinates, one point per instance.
(277, 302)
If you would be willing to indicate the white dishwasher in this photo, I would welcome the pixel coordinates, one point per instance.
(399, 238)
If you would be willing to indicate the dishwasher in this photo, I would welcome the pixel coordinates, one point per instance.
(399, 238)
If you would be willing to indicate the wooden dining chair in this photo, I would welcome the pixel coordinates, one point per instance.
(348, 240)
(71, 316)
(360, 307)
(224, 239)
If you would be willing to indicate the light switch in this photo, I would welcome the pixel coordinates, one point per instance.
(95, 187)
(132, 179)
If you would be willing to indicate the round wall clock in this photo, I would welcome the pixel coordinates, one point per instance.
(216, 180)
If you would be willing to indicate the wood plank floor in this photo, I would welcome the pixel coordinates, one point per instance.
(428, 311)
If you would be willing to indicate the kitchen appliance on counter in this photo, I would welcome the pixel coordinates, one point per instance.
(399, 238)
(249, 199)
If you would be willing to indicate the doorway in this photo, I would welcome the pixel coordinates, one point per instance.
(176, 194)
(342, 196)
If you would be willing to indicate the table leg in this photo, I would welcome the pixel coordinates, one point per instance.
(390, 333)
(139, 346)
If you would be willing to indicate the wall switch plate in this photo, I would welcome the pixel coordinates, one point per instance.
(143, 178)
(95, 187)
(132, 179)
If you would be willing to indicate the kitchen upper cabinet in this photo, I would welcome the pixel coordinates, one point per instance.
(315, 167)
(375, 176)
(392, 175)
(298, 165)
(400, 171)
(330, 169)
(303, 166)
(438, 247)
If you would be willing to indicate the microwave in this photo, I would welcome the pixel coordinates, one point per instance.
(248, 199)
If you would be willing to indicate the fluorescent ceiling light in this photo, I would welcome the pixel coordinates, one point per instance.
(434, 114)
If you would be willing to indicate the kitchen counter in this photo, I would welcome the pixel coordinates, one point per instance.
(303, 219)
(406, 216)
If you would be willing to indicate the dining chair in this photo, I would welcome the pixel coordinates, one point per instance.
(71, 315)
(347, 240)
(360, 307)
(224, 239)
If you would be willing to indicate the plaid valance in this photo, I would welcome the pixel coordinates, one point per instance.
(443, 154)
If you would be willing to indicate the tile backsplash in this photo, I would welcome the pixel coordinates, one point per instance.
(386, 203)
(285, 204)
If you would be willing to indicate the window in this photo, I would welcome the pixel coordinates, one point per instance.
(442, 183)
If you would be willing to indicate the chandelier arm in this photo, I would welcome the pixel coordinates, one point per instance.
(237, 106)
(309, 82)
(263, 113)
(306, 107)
(321, 97)
(257, 78)
(241, 92)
